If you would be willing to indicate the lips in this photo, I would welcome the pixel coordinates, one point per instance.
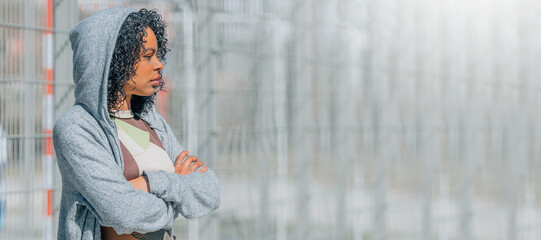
(155, 81)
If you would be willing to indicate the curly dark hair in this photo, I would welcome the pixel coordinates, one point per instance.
(127, 54)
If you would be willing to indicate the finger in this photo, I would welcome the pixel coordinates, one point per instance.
(188, 161)
(204, 169)
(196, 165)
(181, 156)
(198, 161)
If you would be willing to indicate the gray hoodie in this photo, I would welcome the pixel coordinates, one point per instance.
(94, 190)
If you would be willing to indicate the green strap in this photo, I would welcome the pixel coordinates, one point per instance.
(142, 138)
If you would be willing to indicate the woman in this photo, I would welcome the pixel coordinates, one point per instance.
(114, 151)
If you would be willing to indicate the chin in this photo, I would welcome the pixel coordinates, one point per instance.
(146, 94)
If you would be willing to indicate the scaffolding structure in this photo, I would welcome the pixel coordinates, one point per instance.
(323, 119)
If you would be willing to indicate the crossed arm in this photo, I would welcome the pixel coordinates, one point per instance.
(190, 165)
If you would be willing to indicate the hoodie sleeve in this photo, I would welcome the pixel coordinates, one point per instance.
(87, 164)
(193, 195)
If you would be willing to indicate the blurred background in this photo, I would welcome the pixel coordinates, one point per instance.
(324, 119)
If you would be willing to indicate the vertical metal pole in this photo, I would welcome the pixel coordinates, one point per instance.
(429, 159)
(48, 66)
(529, 210)
(28, 117)
(358, 199)
(358, 72)
(280, 118)
(348, 48)
(353, 89)
(430, 100)
(303, 112)
(341, 105)
(263, 153)
(381, 152)
(211, 108)
(191, 111)
(444, 208)
(515, 174)
(211, 86)
(466, 185)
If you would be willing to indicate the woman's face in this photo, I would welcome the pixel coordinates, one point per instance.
(147, 69)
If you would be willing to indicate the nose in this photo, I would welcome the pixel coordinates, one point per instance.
(159, 65)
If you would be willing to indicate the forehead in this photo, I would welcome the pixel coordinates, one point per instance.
(150, 39)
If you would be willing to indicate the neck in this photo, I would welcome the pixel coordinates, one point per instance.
(126, 104)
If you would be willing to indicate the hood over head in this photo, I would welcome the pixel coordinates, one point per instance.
(93, 41)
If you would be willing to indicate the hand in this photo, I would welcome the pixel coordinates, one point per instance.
(189, 165)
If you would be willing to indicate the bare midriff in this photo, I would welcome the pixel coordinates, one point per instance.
(108, 233)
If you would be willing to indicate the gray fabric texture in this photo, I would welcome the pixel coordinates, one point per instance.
(94, 190)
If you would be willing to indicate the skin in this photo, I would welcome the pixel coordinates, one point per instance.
(148, 69)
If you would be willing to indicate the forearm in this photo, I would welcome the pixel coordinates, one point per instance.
(193, 195)
(140, 183)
